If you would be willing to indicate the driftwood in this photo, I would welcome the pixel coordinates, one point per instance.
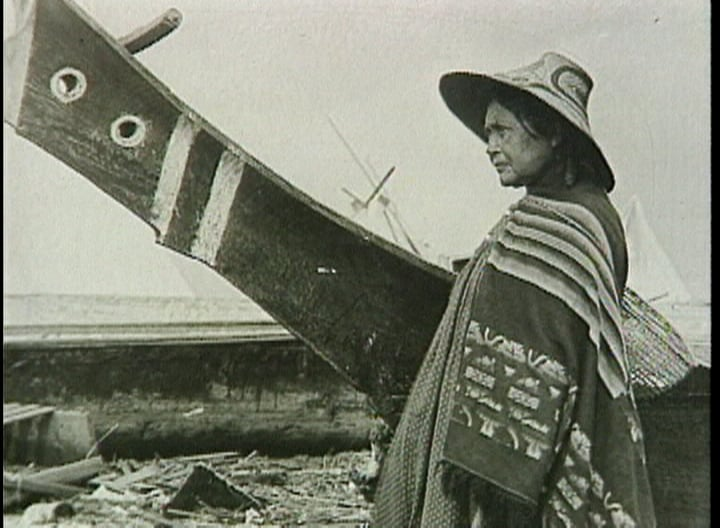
(72, 472)
(50, 481)
(125, 481)
(34, 485)
(314, 491)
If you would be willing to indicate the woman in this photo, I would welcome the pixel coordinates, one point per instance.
(522, 413)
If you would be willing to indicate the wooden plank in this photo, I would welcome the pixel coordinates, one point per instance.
(19, 410)
(14, 412)
(204, 486)
(123, 482)
(209, 457)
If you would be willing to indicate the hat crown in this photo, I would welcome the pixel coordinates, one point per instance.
(557, 77)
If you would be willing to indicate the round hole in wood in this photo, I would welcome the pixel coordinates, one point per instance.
(128, 130)
(68, 84)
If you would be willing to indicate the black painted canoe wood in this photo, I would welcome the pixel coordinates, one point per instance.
(366, 306)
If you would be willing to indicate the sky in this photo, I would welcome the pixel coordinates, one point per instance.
(271, 75)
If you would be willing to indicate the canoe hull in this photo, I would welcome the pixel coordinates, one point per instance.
(367, 307)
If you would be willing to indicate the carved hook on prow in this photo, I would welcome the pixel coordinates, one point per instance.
(135, 41)
(17, 49)
(151, 33)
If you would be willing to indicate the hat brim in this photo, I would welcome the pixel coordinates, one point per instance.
(468, 94)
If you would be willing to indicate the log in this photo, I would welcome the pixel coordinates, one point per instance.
(34, 485)
(65, 474)
(72, 472)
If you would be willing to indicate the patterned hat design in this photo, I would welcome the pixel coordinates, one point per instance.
(554, 79)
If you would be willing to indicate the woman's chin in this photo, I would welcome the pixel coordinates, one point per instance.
(510, 179)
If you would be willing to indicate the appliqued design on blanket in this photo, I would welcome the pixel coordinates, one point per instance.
(511, 394)
(580, 492)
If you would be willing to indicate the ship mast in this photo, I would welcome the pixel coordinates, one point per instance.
(390, 212)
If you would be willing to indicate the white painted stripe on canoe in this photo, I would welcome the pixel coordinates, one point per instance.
(171, 175)
(217, 210)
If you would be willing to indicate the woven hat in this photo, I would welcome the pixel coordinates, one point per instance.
(554, 79)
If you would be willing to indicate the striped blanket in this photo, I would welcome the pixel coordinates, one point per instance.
(523, 404)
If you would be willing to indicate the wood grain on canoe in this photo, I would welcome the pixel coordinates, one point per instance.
(368, 307)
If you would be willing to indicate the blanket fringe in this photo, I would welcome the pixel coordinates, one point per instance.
(500, 508)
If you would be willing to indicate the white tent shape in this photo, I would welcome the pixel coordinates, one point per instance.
(651, 273)
(653, 276)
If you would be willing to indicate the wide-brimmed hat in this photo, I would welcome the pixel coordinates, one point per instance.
(554, 79)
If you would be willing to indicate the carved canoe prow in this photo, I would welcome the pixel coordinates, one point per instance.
(367, 307)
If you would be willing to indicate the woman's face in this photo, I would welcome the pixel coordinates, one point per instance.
(520, 158)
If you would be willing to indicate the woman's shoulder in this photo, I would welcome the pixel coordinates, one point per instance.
(558, 213)
(588, 220)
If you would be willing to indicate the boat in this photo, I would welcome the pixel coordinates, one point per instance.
(363, 304)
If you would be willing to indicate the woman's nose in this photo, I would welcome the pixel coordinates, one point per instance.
(492, 147)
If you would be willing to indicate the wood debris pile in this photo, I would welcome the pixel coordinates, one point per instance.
(222, 489)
